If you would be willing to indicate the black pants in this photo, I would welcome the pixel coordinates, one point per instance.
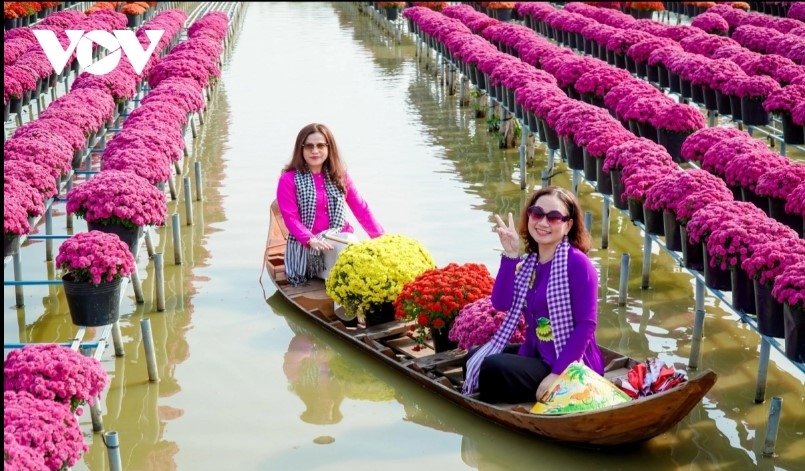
(508, 377)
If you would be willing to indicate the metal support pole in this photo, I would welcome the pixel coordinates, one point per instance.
(113, 451)
(159, 278)
(117, 339)
(188, 203)
(575, 183)
(148, 345)
(762, 370)
(96, 415)
(646, 259)
(522, 158)
(138, 287)
(49, 231)
(193, 127)
(588, 220)
(177, 239)
(149, 243)
(18, 293)
(546, 178)
(772, 426)
(698, 326)
(69, 216)
(624, 280)
(605, 223)
(199, 186)
(172, 187)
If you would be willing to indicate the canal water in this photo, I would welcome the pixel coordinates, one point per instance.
(247, 383)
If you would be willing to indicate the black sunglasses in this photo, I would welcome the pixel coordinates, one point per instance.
(536, 213)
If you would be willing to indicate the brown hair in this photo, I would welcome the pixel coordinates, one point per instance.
(578, 236)
(333, 165)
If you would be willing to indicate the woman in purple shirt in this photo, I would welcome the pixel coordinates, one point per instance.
(555, 286)
(311, 194)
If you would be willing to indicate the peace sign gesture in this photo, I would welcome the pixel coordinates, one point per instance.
(509, 238)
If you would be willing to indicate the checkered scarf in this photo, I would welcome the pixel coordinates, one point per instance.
(302, 263)
(558, 308)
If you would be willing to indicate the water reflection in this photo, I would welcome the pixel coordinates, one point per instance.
(322, 378)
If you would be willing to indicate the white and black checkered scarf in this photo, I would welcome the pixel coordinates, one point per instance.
(301, 263)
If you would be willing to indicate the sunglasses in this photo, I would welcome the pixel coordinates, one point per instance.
(319, 146)
(536, 213)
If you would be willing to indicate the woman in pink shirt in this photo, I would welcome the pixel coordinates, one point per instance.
(312, 194)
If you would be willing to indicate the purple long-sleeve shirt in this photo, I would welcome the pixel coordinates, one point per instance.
(286, 199)
(584, 304)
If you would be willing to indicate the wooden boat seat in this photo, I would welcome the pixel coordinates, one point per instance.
(385, 330)
(442, 360)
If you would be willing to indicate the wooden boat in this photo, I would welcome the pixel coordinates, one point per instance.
(615, 426)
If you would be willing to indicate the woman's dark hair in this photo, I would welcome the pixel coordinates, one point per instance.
(578, 236)
(333, 165)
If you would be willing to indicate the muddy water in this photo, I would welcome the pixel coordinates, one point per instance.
(247, 383)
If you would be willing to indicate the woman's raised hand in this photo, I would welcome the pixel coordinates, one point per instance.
(509, 238)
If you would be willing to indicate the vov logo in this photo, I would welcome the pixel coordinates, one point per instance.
(119, 41)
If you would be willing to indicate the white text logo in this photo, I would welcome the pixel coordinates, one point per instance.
(114, 42)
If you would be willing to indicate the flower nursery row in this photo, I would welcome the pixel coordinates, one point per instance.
(714, 71)
(21, 14)
(618, 95)
(593, 129)
(42, 153)
(25, 13)
(28, 72)
(140, 154)
(44, 385)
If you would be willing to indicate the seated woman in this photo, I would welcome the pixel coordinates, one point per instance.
(312, 193)
(556, 289)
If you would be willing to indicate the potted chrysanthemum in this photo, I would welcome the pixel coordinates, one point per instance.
(789, 289)
(782, 102)
(674, 123)
(435, 297)
(93, 265)
(753, 92)
(775, 185)
(15, 223)
(118, 202)
(478, 321)
(54, 372)
(369, 275)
